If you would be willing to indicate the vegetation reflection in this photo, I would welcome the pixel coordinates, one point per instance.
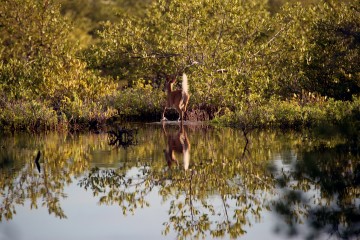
(37, 171)
(216, 182)
(216, 192)
(323, 190)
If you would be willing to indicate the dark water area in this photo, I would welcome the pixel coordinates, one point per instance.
(173, 182)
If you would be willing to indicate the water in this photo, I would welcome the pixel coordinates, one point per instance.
(173, 183)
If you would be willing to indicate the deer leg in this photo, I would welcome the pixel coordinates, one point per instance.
(186, 106)
(186, 101)
(179, 112)
(163, 115)
(181, 115)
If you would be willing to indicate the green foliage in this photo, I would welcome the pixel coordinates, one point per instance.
(87, 15)
(239, 56)
(278, 113)
(335, 38)
(33, 34)
(241, 61)
(315, 50)
(28, 115)
(82, 112)
(38, 59)
(139, 100)
(176, 34)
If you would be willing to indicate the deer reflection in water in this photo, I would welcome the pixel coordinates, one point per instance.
(177, 143)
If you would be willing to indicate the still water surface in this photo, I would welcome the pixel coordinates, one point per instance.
(180, 183)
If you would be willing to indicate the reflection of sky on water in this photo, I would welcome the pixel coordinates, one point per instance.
(87, 219)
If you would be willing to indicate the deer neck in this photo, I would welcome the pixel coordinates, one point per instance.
(169, 89)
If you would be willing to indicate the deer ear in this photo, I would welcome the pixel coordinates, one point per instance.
(173, 79)
(168, 78)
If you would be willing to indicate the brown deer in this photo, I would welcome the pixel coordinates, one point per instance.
(177, 99)
(177, 143)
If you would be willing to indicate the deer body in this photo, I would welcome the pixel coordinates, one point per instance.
(177, 99)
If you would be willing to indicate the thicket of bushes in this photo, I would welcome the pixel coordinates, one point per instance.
(291, 114)
(256, 65)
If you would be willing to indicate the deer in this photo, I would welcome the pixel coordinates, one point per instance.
(177, 99)
(177, 143)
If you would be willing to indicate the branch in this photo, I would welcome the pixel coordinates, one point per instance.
(219, 36)
(271, 40)
(157, 55)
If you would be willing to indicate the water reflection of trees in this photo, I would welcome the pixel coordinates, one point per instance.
(20, 180)
(216, 195)
(27, 184)
(225, 187)
(323, 191)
